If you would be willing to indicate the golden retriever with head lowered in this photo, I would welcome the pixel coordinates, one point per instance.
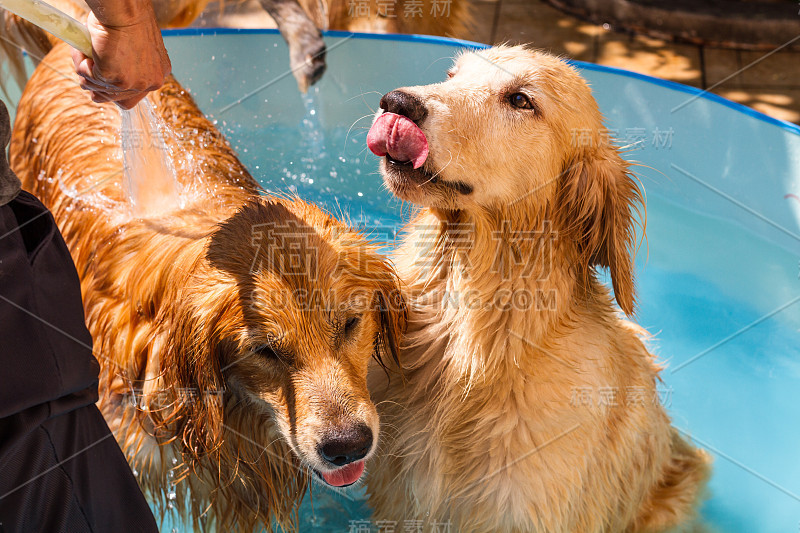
(529, 404)
(234, 332)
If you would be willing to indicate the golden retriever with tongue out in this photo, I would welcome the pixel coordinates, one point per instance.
(529, 404)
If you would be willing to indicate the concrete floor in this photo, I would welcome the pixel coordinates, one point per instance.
(766, 81)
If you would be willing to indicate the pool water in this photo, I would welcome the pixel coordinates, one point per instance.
(737, 398)
(718, 277)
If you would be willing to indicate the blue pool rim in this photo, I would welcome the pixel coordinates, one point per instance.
(430, 39)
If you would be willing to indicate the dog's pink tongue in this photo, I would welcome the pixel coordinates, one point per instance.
(399, 137)
(346, 475)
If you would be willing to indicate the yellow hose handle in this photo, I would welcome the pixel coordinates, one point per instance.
(53, 21)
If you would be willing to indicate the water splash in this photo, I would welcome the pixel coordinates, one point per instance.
(171, 491)
(312, 138)
(332, 168)
(311, 127)
(149, 179)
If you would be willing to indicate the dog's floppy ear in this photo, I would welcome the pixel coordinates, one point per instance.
(598, 199)
(391, 310)
(379, 286)
(390, 307)
(193, 380)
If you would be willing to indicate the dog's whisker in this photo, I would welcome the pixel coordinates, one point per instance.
(362, 95)
(373, 111)
(448, 59)
(436, 174)
(347, 135)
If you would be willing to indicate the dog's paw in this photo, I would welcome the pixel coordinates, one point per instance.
(307, 57)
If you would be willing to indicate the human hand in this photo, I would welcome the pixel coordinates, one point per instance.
(129, 57)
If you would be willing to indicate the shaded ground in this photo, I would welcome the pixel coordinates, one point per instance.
(749, 24)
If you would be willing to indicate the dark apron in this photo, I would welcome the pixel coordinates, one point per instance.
(60, 467)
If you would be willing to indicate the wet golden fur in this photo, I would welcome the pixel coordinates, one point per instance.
(508, 323)
(184, 306)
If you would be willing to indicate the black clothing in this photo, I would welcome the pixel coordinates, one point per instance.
(60, 468)
(46, 348)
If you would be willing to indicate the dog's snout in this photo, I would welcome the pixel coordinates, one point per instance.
(347, 446)
(403, 103)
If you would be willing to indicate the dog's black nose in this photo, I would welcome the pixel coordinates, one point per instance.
(402, 103)
(346, 446)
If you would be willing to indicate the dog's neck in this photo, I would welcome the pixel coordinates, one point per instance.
(505, 274)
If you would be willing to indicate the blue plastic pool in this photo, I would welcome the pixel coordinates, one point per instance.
(719, 277)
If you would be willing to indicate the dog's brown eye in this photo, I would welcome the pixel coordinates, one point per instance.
(520, 101)
(267, 351)
(351, 324)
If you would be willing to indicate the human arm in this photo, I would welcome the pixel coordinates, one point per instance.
(129, 59)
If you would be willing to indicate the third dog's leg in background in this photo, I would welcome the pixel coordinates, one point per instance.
(306, 47)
